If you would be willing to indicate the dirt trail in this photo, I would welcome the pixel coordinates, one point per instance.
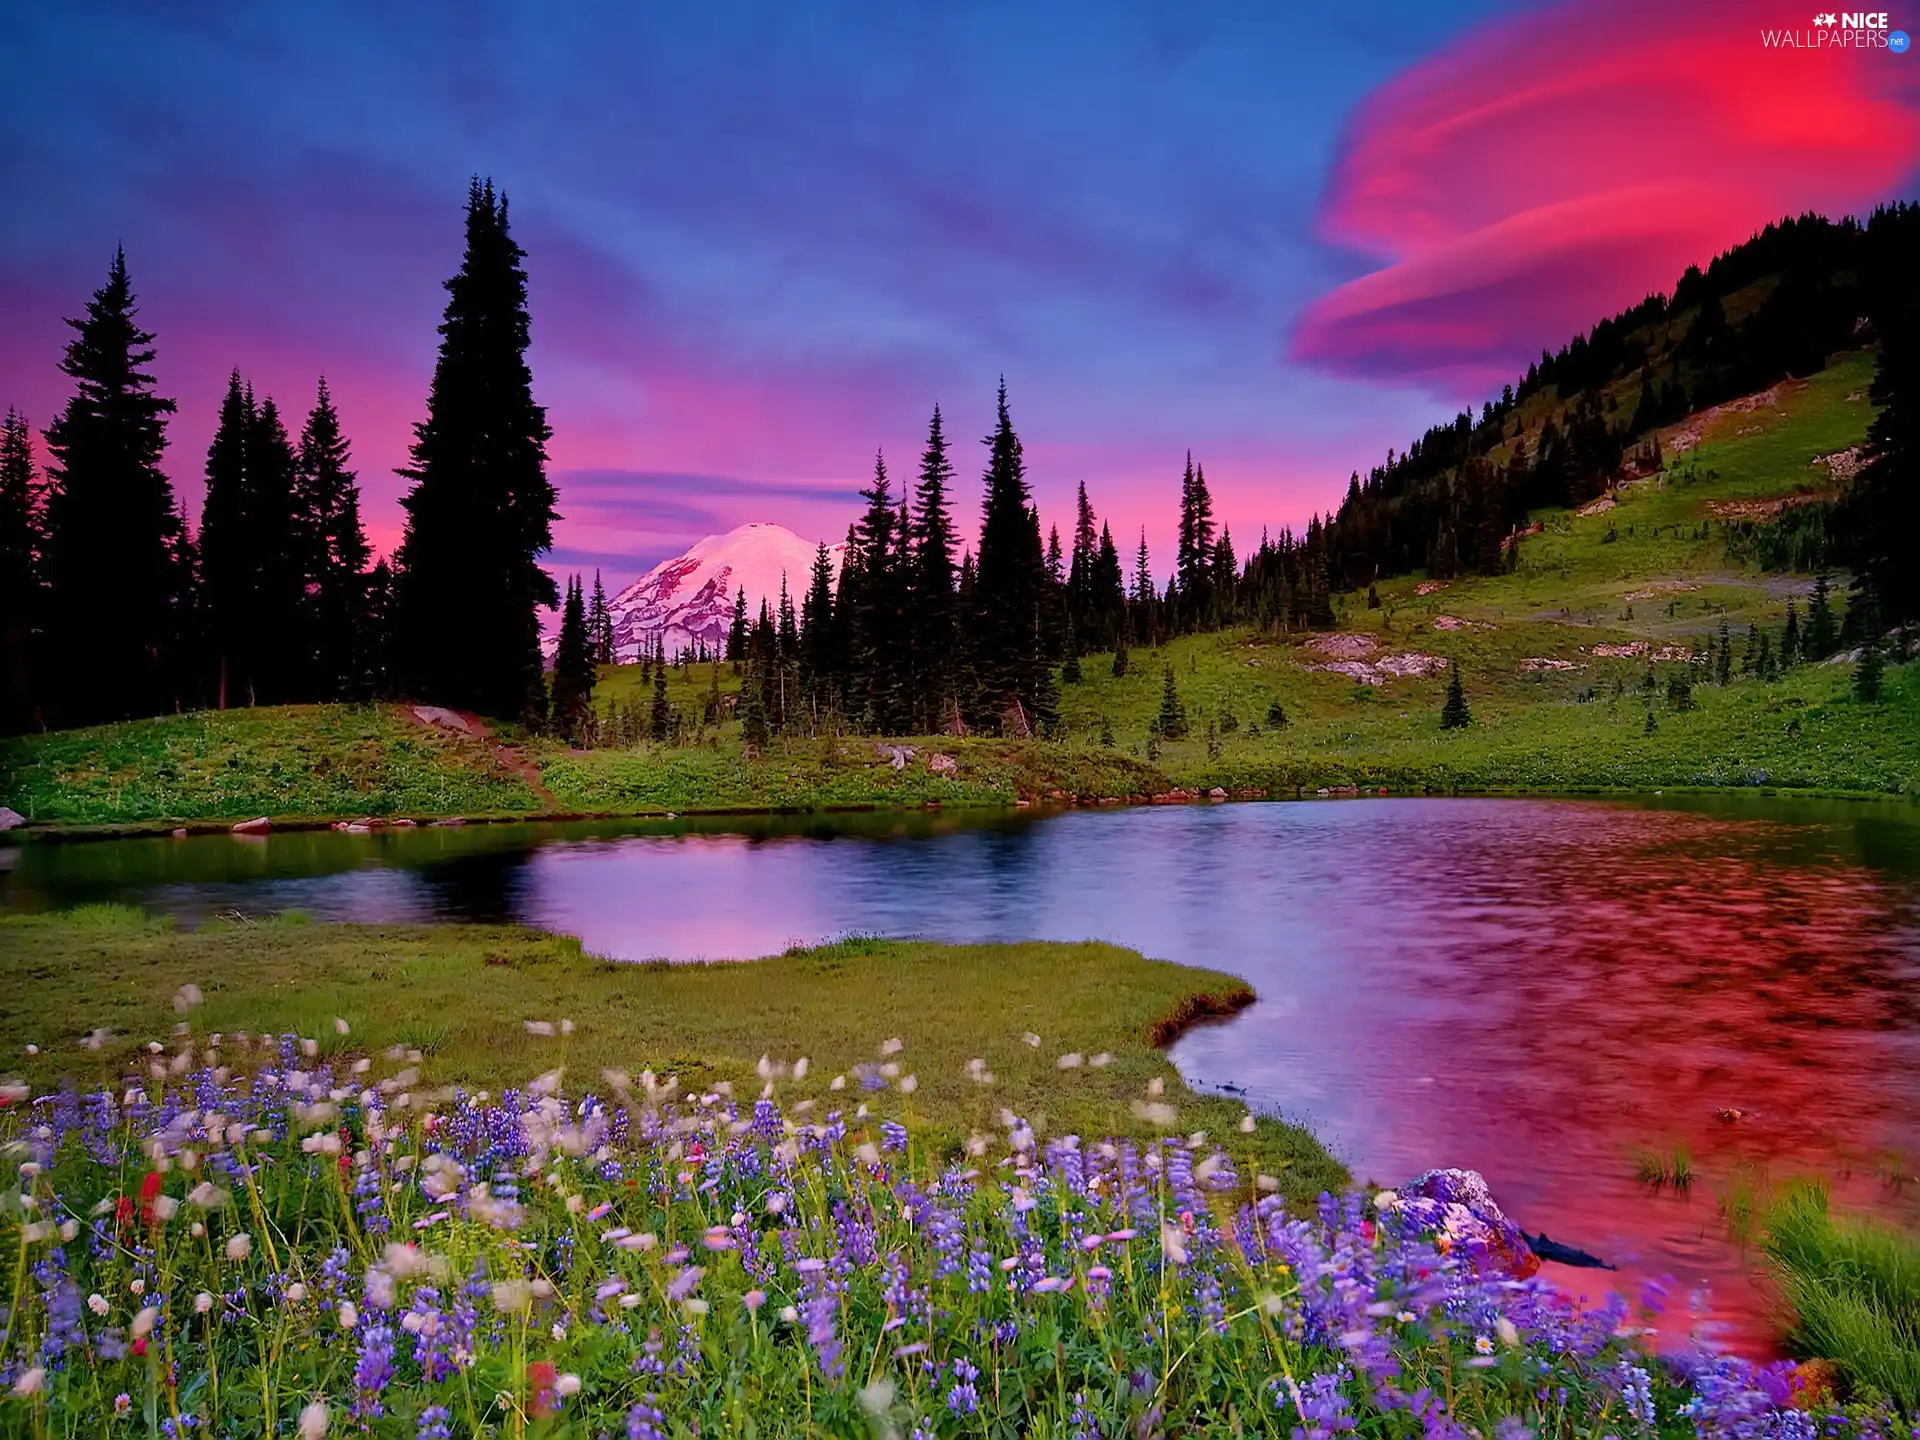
(464, 722)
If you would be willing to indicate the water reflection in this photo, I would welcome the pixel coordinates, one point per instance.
(1536, 989)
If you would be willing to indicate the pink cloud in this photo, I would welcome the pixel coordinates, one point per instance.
(1549, 170)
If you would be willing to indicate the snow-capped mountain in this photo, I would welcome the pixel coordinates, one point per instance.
(688, 600)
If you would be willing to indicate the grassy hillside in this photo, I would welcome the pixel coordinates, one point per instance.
(1564, 659)
(461, 996)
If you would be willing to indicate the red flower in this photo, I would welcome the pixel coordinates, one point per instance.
(123, 1212)
(140, 1347)
(149, 1192)
(540, 1376)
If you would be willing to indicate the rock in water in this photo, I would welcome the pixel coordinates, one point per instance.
(1456, 1207)
(10, 818)
(259, 825)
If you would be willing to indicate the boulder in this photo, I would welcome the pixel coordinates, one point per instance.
(941, 764)
(10, 818)
(895, 755)
(259, 825)
(1458, 1210)
(1216, 793)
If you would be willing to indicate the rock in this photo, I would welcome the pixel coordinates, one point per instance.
(452, 822)
(1216, 793)
(895, 755)
(439, 715)
(1456, 1207)
(404, 824)
(259, 825)
(10, 818)
(941, 764)
(180, 833)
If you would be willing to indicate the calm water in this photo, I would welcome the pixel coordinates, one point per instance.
(1535, 989)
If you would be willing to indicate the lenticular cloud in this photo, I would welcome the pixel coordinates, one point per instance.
(1553, 169)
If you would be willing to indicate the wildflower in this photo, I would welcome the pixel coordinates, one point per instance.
(1509, 1333)
(97, 1303)
(347, 1315)
(202, 1303)
(567, 1386)
(340, 1027)
(436, 1423)
(313, 1420)
(753, 1300)
(143, 1322)
(876, 1399)
(1247, 1124)
(122, 1404)
(1482, 1345)
(240, 1246)
(31, 1382)
(893, 1046)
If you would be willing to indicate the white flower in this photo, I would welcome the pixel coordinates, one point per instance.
(202, 1303)
(340, 1027)
(753, 1300)
(695, 1306)
(240, 1246)
(789, 1314)
(800, 1068)
(207, 1196)
(876, 1399)
(839, 1082)
(296, 1292)
(137, 1286)
(1247, 1123)
(566, 1385)
(1482, 1344)
(144, 1321)
(1509, 1333)
(348, 1315)
(512, 1297)
(1174, 1243)
(98, 1303)
(31, 1382)
(313, 1421)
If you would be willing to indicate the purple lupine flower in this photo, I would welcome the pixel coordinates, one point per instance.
(963, 1399)
(645, 1422)
(373, 1369)
(436, 1423)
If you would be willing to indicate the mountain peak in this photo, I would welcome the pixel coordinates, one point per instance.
(688, 600)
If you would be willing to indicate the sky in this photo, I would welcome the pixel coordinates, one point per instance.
(764, 240)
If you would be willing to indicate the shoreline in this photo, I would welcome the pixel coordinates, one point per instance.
(62, 832)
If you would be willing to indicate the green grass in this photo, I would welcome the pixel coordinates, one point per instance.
(1651, 571)
(1854, 1292)
(461, 995)
(295, 761)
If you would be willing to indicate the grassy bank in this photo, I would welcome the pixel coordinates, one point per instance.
(1852, 1290)
(290, 762)
(461, 994)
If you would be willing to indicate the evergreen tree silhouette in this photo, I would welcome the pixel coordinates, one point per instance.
(334, 550)
(116, 548)
(1454, 715)
(573, 675)
(481, 510)
(21, 544)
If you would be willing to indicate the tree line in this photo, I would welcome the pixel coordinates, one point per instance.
(116, 606)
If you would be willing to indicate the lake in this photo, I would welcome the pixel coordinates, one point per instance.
(1538, 989)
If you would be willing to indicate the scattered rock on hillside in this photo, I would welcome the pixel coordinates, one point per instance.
(441, 716)
(1661, 587)
(1843, 465)
(1454, 622)
(895, 755)
(1343, 645)
(1597, 507)
(1428, 587)
(1533, 662)
(1386, 668)
(943, 764)
(1456, 1207)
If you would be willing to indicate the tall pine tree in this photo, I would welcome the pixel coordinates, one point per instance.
(333, 546)
(115, 542)
(227, 580)
(1883, 507)
(934, 622)
(481, 510)
(600, 624)
(820, 662)
(572, 668)
(876, 638)
(1008, 641)
(280, 620)
(20, 546)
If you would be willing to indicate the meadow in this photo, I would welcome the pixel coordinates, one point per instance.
(311, 1230)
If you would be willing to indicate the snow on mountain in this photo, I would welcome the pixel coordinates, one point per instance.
(688, 600)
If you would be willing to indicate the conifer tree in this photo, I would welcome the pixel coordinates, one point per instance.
(1193, 562)
(572, 667)
(20, 557)
(1171, 722)
(279, 639)
(934, 629)
(481, 510)
(327, 516)
(1790, 637)
(1723, 658)
(1120, 658)
(660, 717)
(1008, 641)
(600, 624)
(116, 551)
(1454, 715)
(820, 663)
(1869, 673)
(872, 596)
(1823, 633)
(227, 578)
(1145, 599)
(1081, 607)
(737, 630)
(1107, 614)
(1883, 506)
